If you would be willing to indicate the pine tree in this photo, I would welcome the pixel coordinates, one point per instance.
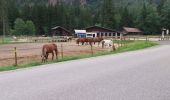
(107, 14)
(126, 18)
(165, 15)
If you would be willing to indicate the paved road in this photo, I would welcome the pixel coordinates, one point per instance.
(139, 75)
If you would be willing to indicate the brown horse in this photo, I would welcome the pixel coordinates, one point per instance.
(98, 39)
(81, 40)
(49, 48)
(89, 40)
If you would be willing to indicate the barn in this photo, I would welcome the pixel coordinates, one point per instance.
(96, 31)
(131, 31)
(60, 31)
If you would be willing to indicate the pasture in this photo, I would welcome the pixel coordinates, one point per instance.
(31, 52)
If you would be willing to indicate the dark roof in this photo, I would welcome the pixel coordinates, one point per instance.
(100, 28)
(131, 30)
(59, 27)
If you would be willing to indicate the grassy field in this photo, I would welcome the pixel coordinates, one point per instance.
(127, 46)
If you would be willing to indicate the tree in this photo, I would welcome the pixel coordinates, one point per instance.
(13, 12)
(126, 18)
(19, 27)
(149, 19)
(3, 16)
(107, 14)
(165, 15)
(30, 28)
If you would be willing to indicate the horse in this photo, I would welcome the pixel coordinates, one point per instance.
(108, 43)
(98, 39)
(49, 48)
(80, 40)
(89, 40)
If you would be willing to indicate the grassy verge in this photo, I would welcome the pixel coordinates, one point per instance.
(6, 40)
(129, 46)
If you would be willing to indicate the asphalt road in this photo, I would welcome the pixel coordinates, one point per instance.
(138, 75)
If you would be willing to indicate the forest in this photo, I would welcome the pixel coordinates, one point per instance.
(37, 17)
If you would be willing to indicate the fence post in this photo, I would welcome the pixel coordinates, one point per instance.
(113, 47)
(92, 53)
(62, 55)
(146, 38)
(15, 53)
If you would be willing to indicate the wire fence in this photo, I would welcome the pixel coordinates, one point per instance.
(26, 55)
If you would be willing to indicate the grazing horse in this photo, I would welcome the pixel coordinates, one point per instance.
(49, 48)
(90, 41)
(98, 39)
(108, 43)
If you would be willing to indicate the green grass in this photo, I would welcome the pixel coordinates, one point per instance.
(129, 46)
(6, 40)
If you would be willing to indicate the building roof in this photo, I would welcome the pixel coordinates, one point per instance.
(98, 27)
(59, 27)
(132, 30)
(80, 31)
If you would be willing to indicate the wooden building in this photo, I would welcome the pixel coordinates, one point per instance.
(131, 31)
(96, 31)
(60, 31)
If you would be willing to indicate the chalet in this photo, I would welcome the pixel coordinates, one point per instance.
(60, 31)
(131, 31)
(96, 31)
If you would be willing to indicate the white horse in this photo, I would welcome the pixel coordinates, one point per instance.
(107, 43)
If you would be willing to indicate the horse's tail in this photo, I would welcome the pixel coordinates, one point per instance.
(56, 50)
(44, 50)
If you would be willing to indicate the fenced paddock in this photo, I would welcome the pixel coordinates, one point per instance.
(31, 52)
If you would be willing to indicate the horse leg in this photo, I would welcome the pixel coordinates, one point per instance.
(52, 55)
(56, 53)
(46, 58)
(43, 60)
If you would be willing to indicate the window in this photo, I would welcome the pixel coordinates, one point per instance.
(89, 34)
(98, 34)
(101, 34)
(110, 34)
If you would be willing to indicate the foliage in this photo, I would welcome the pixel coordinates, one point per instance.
(23, 28)
(165, 14)
(148, 15)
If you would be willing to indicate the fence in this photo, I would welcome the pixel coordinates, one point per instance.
(30, 39)
(25, 54)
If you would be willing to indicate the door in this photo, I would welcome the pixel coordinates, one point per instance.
(94, 35)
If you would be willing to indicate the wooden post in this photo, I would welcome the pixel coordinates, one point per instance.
(15, 52)
(92, 53)
(62, 55)
(146, 38)
(113, 47)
